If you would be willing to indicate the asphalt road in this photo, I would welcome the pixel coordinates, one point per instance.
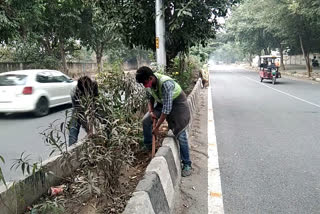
(21, 133)
(268, 142)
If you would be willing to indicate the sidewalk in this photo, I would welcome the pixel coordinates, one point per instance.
(300, 68)
(193, 197)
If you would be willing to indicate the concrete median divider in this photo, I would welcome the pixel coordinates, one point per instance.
(156, 192)
(159, 184)
(25, 192)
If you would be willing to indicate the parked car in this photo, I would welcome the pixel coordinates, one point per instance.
(34, 91)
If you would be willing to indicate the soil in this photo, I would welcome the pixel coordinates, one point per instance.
(73, 203)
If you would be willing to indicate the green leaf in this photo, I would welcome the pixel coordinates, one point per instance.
(51, 136)
(2, 159)
(179, 13)
(23, 168)
(53, 151)
(61, 126)
(28, 169)
(34, 168)
(187, 13)
(2, 178)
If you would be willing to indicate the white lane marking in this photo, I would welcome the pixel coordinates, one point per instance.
(282, 92)
(215, 199)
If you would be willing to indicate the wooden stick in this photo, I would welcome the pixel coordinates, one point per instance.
(153, 140)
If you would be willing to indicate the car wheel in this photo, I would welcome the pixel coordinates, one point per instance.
(42, 107)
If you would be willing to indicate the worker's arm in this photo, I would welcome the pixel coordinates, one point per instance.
(159, 122)
(150, 108)
(167, 91)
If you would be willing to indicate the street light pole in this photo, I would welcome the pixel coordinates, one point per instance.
(160, 34)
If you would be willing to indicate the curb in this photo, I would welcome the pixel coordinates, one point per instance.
(156, 192)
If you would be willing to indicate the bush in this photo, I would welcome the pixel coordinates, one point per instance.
(115, 119)
(185, 71)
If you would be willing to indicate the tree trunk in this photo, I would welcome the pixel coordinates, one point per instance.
(138, 58)
(63, 57)
(250, 59)
(99, 60)
(309, 68)
(306, 56)
(99, 54)
(170, 62)
(282, 67)
(182, 63)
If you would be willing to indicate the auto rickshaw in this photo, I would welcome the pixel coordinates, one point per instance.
(269, 68)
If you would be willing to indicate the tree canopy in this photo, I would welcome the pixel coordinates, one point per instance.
(56, 29)
(260, 26)
(188, 23)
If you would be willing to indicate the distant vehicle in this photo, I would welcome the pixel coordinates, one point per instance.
(34, 91)
(269, 68)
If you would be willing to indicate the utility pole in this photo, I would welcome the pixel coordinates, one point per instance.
(160, 35)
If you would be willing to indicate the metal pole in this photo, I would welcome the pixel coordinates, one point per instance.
(160, 34)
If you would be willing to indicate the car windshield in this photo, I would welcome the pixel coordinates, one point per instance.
(13, 79)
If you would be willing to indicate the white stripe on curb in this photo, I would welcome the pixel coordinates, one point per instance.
(215, 199)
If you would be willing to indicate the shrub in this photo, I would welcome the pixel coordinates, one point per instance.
(114, 117)
(185, 71)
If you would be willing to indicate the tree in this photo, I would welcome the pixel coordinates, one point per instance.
(229, 52)
(247, 27)
(7, 26)
(209, 51)
(61, 31)
(305, 27)
(289, 23)
(187, 23)
(46, 27)
(98, 31)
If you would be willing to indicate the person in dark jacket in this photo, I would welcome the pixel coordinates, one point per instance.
(85, 88)
(171, 105)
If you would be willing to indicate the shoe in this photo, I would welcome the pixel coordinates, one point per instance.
(186, 171)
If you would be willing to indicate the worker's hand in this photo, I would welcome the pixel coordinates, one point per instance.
(153, 115)
(155, 131)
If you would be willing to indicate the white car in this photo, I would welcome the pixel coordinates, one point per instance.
(34, 91)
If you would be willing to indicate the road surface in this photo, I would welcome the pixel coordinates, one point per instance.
(268, 142)
(20, 133)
